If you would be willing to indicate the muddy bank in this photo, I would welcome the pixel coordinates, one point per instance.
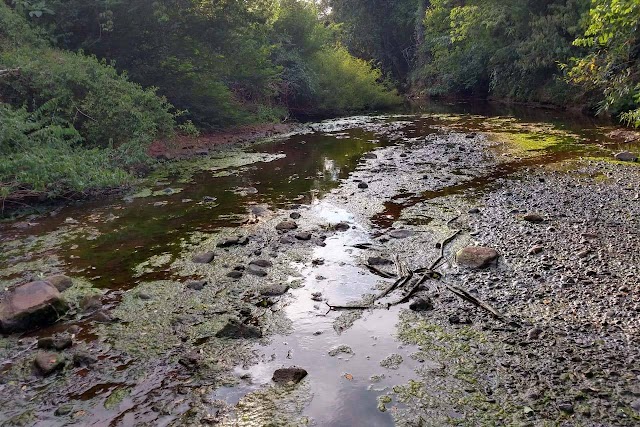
(334, 251)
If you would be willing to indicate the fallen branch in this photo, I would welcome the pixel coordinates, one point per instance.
(477, 302)
(380, 272)
(442, 245)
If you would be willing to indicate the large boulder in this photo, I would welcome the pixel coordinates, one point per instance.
(29, 306)
(476, 257)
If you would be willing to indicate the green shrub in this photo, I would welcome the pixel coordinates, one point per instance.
(344, 83)
(38, 157)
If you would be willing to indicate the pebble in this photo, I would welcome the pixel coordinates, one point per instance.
(291, 375)
(286, 225)
(203, 258)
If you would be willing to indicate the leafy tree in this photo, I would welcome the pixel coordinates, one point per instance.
(612, 64)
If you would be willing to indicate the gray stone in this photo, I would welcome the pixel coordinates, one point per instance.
(48, 362)
(59, 342)
(363, 185)
(60, 282)
(235, 274)
(255, 270)
(304, 235)
(264, 263)
(476, 257)
(626, 156)
(401, 234)
(203, 258)
(275, 290)
(341, 226)
(29, 306)
(289, 375)
(287, 225)
(91, 303)
(196, 285)
(295, 215)
(533, 217)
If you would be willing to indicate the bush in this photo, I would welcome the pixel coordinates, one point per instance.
(41, 158)
(344, 83)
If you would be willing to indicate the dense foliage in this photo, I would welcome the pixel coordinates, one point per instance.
(562, 52)
(86, 85)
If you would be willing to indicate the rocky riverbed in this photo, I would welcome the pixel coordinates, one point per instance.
(436, 269)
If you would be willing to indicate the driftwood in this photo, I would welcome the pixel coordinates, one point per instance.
(476, 301)
(379, 272)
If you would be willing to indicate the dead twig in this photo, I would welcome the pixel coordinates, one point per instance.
(379, 272)
(477, 302)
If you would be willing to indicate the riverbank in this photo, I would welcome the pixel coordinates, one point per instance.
(335, 250)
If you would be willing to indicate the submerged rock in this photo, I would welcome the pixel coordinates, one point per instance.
(30, 305)
(60, 282)
(626, 156)
(289, 375)
(48, 362)
(476, 257)
(287, 225)
(236, 330)
(203, 258)
(392, 361)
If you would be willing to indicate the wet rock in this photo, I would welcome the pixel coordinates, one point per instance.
(363, 185)
(30, 305)
(236, 330)
(203, 258)
(421, 304)
(392, 361)
(635, 405)
(304, 236)
(235, 274)
(255, 270)
(275, 290)
(91, 303)
(83, 359)
(626, 156)
(48, 362)
(295, 215)
(341, 226)
(264, 263)
(476, 257)
(286, 225)
(374, 260)
(59, 342)
(401, 234)
(370, 156)
(60, 282)
(197, 285)
(474, 211)
(533, 217)
(316, 296)
(143, 296)
(341, 349)
(288, 375)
